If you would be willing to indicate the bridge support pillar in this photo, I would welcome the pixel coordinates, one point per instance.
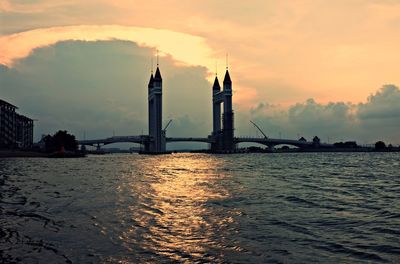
(271, 148)
(83, 148)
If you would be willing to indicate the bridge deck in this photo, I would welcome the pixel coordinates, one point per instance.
(142, 139)
(120, 139)
(188, 139)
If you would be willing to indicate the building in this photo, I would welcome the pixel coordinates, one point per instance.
(8, 125)
(16, 131)
(24, 132)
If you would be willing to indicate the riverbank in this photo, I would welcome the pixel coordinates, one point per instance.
(33, 154)
(21, 154)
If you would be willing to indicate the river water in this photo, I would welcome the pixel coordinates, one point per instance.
(199, 208)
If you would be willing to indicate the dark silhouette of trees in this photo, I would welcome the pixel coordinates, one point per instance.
(380, 145)
(347, 144)
(255, 149)
(60, 141)
(49, 143)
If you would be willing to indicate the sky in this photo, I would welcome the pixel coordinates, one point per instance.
(299, 67)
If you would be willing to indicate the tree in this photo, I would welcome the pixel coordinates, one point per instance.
(380, 145)
(48, 143)
(338, 144)
(60, 140)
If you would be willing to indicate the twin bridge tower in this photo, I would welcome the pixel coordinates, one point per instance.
(221, 139)
(222, 136)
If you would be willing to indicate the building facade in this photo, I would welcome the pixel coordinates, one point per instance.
(24, 132)
(16, 130)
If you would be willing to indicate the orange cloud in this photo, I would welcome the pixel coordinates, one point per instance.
(185, 48)
(281, 51)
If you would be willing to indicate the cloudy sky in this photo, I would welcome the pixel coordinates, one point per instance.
(299, 67)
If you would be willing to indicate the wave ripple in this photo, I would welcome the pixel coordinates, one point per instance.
(254, 208)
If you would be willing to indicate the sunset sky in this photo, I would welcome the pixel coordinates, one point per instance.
(299, 67)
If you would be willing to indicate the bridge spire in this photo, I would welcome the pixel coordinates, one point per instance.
(151, 81)
(216, 86)
(157, 76)
(227, 78)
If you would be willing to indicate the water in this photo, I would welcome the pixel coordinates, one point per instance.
(254, 208)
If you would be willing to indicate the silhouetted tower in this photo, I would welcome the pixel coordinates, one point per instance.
(157, 143)
(227, 127)
(216, 107)
(222, 138)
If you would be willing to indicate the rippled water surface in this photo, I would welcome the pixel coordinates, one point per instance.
(254, 208)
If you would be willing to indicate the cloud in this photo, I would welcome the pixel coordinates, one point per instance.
(312, 116)
(380, 115)
(382, 105)
(185, 48)
(103, 89)
(376, 119)
(280, 51)
(308, 119)
(259, 108)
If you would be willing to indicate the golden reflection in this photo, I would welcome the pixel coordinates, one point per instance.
(174, 219)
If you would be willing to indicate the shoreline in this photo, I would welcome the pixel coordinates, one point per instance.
(33, 154)
(22, 154)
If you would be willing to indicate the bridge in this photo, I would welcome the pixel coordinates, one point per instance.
(272, 142)
(221, 139)
(143, 139)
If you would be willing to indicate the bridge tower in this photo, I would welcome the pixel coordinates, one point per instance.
(222, 138)
(227, 127)
(157, 142)
(217, 132)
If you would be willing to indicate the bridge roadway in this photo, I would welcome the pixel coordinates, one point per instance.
(142, 139)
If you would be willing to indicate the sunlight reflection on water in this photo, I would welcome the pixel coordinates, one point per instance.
(173, 206)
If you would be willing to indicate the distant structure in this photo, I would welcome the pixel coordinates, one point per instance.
(16, 131)
(157, 142)
(222, 139)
